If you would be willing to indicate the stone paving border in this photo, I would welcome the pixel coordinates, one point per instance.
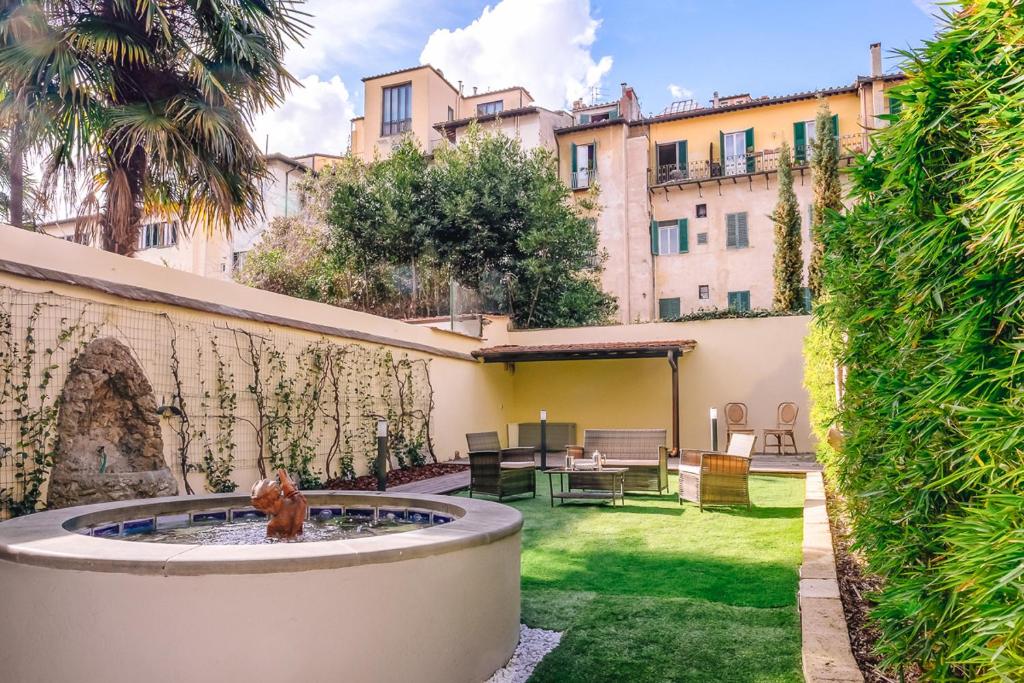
(827, 656)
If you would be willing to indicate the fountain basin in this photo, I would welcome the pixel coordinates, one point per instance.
(434, 604)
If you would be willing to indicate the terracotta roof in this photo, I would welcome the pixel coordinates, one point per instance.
(591, 351)
(593, 124)
(758, 102)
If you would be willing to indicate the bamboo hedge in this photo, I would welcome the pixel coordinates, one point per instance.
(925, 289)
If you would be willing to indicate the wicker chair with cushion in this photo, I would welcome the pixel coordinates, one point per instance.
(709, 478)
(641, 451)
(736, 420)
(785, 425)
(500, 471)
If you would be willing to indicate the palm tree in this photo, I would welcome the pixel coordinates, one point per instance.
(147, 102)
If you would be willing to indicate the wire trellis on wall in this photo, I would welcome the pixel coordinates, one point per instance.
(238, 398)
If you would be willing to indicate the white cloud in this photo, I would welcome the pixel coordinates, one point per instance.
(314, 118)
(543, 45)
(679, 93)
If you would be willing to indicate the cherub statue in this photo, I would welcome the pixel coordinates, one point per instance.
(283, 503)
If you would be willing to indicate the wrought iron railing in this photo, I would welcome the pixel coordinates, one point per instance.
(395, 127)
(583, 179)
(740, 164)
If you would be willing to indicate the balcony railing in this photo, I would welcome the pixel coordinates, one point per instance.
(395, 127)
(753, 162)
(583, 179)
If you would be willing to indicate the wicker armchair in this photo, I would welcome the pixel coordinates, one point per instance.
(709, 478)
(497, 471)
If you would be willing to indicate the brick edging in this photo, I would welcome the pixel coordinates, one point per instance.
(826, 652)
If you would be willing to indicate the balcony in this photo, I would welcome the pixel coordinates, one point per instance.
(765, 161)
(583, 179)
(395, 127)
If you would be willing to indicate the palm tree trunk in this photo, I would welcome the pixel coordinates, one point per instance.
(123, 212)
(16, 179)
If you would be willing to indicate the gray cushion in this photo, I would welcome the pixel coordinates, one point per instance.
(630, 462)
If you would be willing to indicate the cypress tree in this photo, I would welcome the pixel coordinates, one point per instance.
(828, 194)
(788, 260)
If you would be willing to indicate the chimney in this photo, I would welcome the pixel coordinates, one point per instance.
(624, 88)
(714, 101)
(474, 90)
(876, 60)
(460, 87)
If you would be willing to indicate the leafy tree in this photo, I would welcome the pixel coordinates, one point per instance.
(828, 193)
(788, 261)
(150, 99)
(924, 281)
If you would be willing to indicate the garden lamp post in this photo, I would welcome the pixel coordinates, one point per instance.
(713, 414)
(543, 439)
(380, 465)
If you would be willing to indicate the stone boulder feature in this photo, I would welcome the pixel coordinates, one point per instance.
(109, 445)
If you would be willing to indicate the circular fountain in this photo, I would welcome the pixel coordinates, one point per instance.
(413, 587)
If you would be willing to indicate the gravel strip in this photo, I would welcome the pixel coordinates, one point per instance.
(534, 644)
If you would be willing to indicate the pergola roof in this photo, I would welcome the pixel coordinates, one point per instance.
(594, 351)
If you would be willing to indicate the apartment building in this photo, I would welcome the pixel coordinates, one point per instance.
(687, 194)
(166, 242)
(421, 102)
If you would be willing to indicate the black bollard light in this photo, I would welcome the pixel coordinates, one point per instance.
(381, 463)
(713, 413)
(543, 439)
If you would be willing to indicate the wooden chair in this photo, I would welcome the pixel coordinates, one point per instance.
(497, 471)
(784, 428)
(736, 420)
(708, 478)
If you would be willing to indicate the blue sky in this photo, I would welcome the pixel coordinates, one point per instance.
(563, 49)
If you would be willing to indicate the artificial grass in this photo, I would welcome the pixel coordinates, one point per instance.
(655, 591)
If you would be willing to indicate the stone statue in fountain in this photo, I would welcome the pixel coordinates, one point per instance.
(283, 503)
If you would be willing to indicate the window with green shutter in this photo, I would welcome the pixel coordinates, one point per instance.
(684, 237)
(739, 301)
(668, 309)
(736, 232)
(751, 159)
(800, 142)
(894, 106)
(654, 237)
(668, 238)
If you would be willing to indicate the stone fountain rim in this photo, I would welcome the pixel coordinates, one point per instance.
(48, 539)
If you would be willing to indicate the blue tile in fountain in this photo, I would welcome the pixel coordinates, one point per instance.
(391, 514)
(441, 519)
(209, 517)
(419, 516)
(327, 512)
(172, 521)
(139, 526)
(107, 529)
(361, 513)
(242, 514)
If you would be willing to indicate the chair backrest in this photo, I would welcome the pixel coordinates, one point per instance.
(559, 434)
(787, 414)
(483, 441)
(736, 414)
(741, 444)
(624, 444)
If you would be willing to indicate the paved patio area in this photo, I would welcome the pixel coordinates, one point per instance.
(777, 465)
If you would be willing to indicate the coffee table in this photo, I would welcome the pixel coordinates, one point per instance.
(604, 484)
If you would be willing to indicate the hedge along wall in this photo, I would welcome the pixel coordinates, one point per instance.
(244, 398)
(925, 282)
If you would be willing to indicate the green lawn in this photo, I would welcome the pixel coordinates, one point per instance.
(655, 591)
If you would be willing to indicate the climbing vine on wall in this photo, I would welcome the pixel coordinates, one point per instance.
(234, 397)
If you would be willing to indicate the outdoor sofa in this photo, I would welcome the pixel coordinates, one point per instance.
(641, 451)
(498, 471)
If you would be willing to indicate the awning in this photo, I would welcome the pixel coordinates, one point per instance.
(593, 351)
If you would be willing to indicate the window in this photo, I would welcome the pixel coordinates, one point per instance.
(397, 110)
(451, 114)
(603, 116)
(739, 301)
(238, 260)
(152, 235)
(735, 146)
(668, 309)
(488, 108)
(668, 237)
(703, 292)
(736, 236)
(702, 238)
(702, 211)
(584, 165)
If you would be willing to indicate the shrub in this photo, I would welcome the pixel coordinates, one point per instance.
(924, 282)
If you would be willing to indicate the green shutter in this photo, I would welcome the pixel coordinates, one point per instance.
(751, 161)
(681, 159)
(835, 129)
(573, 157)
(730, 230)
(742, 236)
(584, 118)
(668, 309)
(745, 300)
(684, 238)
(800, 142)
(894, 106)
(733, 298)
(654, 237)
(805, 293)
(593, 156)
(721, 152)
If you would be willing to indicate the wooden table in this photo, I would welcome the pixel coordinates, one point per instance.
(604, 484)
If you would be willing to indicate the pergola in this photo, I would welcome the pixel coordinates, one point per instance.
(670, 350)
